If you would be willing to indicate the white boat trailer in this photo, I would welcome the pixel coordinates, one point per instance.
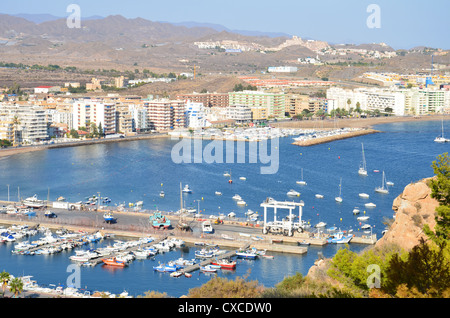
(285, 227)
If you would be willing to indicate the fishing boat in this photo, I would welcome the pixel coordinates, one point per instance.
(108, 217)
(363, 169)
(364, 195)
(293, 193)
(339, 198)
(186, 189)
(207, 227)
(441, 139)
(382, 189)
(340, 238)
(225, 263)
(159, 221)
(301, 182)
(246, 254)
(114, 262)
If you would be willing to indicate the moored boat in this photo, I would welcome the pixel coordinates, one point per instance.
(114, 262)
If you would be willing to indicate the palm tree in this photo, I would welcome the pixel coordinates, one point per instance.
(4, 278)
(16, 286)
(16, 122)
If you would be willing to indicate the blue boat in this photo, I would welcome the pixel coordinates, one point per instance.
(109, 218)
(340, 238)
(246, 254)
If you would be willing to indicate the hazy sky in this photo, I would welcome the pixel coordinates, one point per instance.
(404, 23)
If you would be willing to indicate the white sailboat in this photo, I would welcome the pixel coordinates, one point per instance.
(383, 189)
(441, 139)
(363, 169)
(339, 198)
(301, 182)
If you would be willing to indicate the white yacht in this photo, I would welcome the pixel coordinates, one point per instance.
(241, 202)
(441, 139)
(363, 169)
(382, 189)
(339, 198)
(301, 182)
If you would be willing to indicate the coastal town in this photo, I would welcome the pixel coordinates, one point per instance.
(146, 159)
(53, 114)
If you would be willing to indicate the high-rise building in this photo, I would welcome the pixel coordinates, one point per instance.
(165, 114)
(273, 102)
(86, 112)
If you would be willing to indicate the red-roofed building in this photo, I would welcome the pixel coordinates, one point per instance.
(46, 89)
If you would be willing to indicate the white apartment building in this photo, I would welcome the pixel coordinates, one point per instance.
(196, 116)
(90, 111)
(31, 123)
(59, 117)
(139, 117)
(240, 113)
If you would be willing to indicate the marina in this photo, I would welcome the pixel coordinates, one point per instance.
(235, 226)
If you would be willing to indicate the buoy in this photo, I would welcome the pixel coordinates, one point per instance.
(341, 219)
(339, 157)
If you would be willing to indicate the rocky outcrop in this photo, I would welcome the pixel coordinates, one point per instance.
(413, 209)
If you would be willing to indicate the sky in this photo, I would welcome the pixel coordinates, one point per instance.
(402, 24)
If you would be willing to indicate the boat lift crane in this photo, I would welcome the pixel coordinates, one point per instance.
(287, 226)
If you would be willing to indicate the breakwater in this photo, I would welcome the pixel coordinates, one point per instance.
(325, 138)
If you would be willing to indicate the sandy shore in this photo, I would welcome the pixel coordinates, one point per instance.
(14, 151)
(355, 122)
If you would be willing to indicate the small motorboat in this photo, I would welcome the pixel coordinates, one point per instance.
(356, 210)
(319, 196)
(320, 224)
(364, 195)
(293, 193)
(162, 194)
(241, 202)
(208, 268)
(242, 178)
(370, 205)
(186, 189)
(237, 197)
(218, 193)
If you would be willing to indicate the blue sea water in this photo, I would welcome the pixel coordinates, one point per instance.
(139, 170)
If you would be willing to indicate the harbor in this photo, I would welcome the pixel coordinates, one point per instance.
(309, 172)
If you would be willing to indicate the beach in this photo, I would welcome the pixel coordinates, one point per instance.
(355, 122)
